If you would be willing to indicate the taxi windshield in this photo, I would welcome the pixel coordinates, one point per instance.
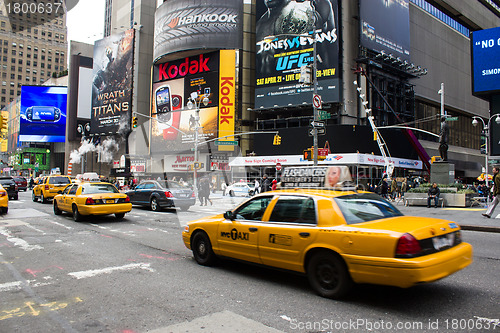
(98, 188)
(364, 207)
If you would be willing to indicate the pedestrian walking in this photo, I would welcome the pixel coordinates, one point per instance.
(274, 185)
(266, 184)
(224, 188)
(496, 193)
(394, 188)
(256, 187)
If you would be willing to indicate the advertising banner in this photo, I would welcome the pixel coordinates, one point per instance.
(316, 177)
(112, 84)
(43, 114)
(385, 26)
(188, 24)
(196, 79)
(286, 34)
(227, 98)
(485, 61)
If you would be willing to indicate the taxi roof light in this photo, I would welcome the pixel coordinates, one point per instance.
(408, 246)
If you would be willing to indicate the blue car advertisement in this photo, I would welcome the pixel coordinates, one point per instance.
(43, 114)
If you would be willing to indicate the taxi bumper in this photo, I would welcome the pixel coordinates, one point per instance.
(4, 201)
(405, 273)
(105, 209)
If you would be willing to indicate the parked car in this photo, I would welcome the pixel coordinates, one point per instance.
(10, 186)
(240, 189)
(22, 183)
(162, 194)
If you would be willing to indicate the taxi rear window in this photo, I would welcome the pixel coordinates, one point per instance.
(98, 188)
(59, 180)
(364, 207)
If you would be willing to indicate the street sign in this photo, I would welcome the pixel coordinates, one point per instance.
(317, 101)
(321, 131)
(323, 115)
(318, 124)
(451, 119)
(226, 143)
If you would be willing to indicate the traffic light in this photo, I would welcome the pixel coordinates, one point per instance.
(3, 123)
(277, 140)
(305, 74)
(134, 122)
(375, 136)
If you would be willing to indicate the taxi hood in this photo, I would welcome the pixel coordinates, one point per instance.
(419, 227)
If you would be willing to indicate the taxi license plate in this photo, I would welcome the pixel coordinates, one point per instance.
(443, 241)
(110, 201)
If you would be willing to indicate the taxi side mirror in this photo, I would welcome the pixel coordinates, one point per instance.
(229, 215)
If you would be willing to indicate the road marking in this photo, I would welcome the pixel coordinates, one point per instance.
(61, 225)
(18, 241)
(12, 223)
(34, 309)
(108, 270)
(23, 213)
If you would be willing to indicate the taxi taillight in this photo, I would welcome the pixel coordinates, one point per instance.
(127, 199)
(169, 194)
(3, 194)
(46, 187)
(408, 247)
(90, 201)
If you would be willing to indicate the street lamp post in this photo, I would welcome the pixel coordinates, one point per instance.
(486, 128)
(194, 101)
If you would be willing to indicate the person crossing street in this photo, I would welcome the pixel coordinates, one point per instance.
(496, 193)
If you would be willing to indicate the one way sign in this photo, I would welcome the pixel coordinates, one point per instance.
(321, 131)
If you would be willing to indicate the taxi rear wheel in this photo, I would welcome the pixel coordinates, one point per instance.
(42, 198)
(76, 214)
(328, 275)
(119, 216)
(202, 249)
(57, 211)
(33, 196)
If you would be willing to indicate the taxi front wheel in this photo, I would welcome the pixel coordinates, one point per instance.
(57, 211)
(328, 275)
(202, 249)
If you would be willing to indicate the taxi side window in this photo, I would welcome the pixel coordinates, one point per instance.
(73, 190)
(66, 190)
(292, 209)
(253, 209)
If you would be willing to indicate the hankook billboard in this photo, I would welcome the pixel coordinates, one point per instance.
(188, 24)
(385, 26)
(208, 77)
(485, 61)
(286, 34)
(112, 84)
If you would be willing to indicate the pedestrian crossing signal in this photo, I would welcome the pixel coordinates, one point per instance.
(134, 122)
(308, 154)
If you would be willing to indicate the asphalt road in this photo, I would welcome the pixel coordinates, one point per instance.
(135, 275)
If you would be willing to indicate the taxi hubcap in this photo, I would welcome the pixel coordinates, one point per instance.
(201, 248)
(328, 275)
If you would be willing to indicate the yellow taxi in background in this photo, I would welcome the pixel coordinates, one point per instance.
(49, 186)
(337, 238)
(4, 200)
(92, 198)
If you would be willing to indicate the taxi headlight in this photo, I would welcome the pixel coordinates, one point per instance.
(186, 228)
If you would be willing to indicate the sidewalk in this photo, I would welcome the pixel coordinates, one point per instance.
(467, 218)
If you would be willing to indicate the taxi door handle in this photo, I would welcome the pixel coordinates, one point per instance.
(253, 229)
(304, 234)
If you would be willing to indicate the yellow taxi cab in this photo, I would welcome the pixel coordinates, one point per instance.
(4, 200)
(91, 198)
(48, 187)
(336, 237)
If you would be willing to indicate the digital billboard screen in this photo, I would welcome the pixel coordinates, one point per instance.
(385, 26)
(286, 34)
(43, 114)
(112, 84)
(485, 61)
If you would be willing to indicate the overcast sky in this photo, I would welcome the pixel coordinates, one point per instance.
(85, 22)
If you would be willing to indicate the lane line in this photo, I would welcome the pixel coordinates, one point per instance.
(108, 270)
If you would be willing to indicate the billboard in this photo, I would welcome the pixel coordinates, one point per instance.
(286, 33)
(43, 114)
(485, 61)
(113, 72)
(187, 24)
(174, 83)
(385, 26)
